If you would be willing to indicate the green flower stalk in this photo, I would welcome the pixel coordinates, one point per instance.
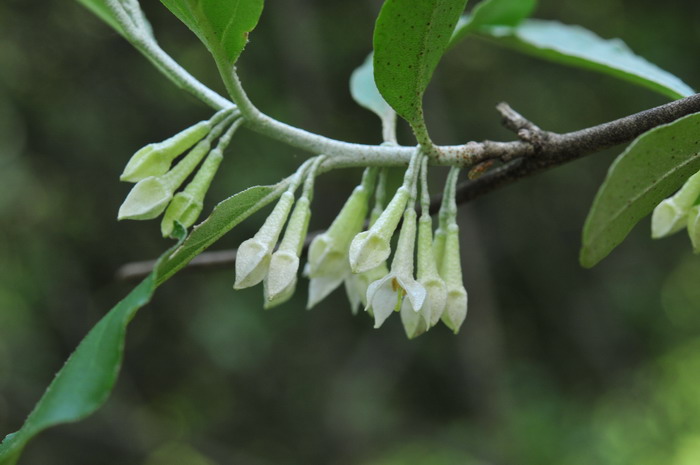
(150, 196)
(187, 205)
(451, 268)
(155, 159)
(328, 253)
(253, 256)
(281, 279)
(370, 248)
(398, 288)
(427, 271)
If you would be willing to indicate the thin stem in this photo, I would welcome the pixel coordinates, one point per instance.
(139, 35)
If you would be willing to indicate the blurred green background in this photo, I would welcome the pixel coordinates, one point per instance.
(555, 364)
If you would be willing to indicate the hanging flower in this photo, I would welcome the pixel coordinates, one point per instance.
(388, 293)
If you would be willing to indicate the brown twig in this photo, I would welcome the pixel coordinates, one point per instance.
(536, 151)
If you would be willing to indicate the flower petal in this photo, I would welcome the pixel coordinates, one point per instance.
(383, 298)
(281, 274)
(320, 287)
(413, 322)
(252, 261)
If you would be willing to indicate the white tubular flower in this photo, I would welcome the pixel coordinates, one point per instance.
(387, 294)
(671, 215)
(328, 252)
(694, 227)
(187, 205)
(414, 323)
(356, 285)
(370, 248)
(155, 159)
(456, 308)
(427, 271)
(281, 278)
(149, 197)
(253, 257)
(428, 275)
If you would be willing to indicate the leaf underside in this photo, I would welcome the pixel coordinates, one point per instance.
(652, 168)
(577, 46)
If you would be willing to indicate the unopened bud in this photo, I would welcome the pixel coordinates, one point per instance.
(370, 248)
(671, 215)
(155, 159)
(456, 307)
(253, 256)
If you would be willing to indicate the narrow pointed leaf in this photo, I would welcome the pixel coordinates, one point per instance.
(577, 46)
(223, 218)
(223, 26)
(86, 380)
(409, 40)
(653, 167)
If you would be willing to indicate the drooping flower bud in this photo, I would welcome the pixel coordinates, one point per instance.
(427, 273)
(187, 205)
(370, 248)
(155, 159)
(670, 215)
(253, 256)
(456, 307)
(149, 197)
(282, 275)
(387, 294)
(328, 253)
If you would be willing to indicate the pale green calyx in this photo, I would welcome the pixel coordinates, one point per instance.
(398, 288)
(155, 159)
(184, 208)
(149, 197)
(187, 205)
(451, 271)
(282, 274)
(370, 248)
(328, 253)
(427, 273)
(253, 256)
(671, 215)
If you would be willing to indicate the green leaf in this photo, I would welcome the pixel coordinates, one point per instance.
(574, 45)
(223, 218)
(364, 91)
(653, 167)
(409, 40)
(222, 25)
(86, 380)
(494, 13)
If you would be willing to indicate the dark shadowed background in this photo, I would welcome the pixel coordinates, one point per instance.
(555, 364)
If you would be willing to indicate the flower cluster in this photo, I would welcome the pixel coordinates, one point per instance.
(424, 294)
(423, 282)
(682, 210)
(156, 181)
